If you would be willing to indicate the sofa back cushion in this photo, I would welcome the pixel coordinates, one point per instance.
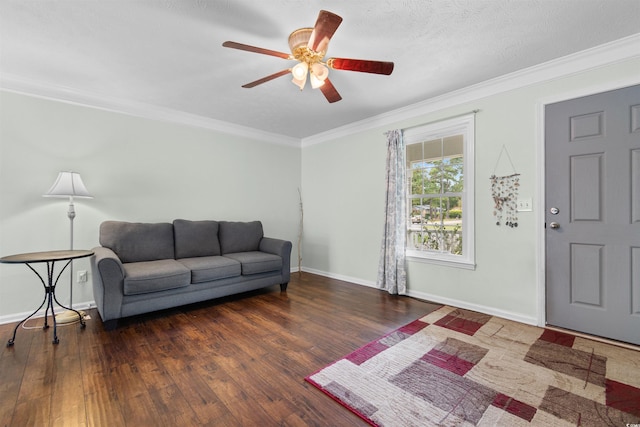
(196, 238)
(135, 242)
(240, 236)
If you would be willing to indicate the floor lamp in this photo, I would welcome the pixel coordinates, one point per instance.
(69, 184)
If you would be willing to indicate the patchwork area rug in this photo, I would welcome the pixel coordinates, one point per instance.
(455, 367)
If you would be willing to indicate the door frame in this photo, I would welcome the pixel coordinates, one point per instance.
(539, 192)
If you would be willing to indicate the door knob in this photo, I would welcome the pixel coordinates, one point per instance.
(554, 225)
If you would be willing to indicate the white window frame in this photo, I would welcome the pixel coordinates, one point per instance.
(462, 125)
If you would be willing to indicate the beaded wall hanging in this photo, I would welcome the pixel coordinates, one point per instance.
(504, 190)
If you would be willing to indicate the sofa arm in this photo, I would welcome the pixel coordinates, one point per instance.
(108, 283)
(281, 248)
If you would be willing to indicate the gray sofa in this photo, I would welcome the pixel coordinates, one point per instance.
(144, 267)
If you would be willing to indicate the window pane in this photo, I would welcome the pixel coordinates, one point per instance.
(417, 181)
(453, 146)
(436, 171)
(414, 154)
(432, 149)
(456, 166)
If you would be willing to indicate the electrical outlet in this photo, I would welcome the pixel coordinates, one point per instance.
(82, 276)
(525, 205)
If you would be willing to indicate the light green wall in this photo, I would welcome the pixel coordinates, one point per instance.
(343, 182)
(343, 193)
(137, 170)
(145, 170)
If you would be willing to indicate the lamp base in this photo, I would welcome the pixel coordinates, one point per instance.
(69, 316)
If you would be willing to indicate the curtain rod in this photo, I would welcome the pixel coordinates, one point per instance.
(443, 119)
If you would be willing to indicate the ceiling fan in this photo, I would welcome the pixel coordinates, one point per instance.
(308, 47)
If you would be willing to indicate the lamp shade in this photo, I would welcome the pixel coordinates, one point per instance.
(68, 184)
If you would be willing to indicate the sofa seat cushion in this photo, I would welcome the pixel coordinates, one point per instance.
(204, 269)
(257, 262)
(154, 276)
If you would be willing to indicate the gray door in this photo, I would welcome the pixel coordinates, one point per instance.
(592, 214)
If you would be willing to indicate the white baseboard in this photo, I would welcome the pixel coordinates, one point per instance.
(435, 298)
(516, 317)
(350, 279)
(17, 317)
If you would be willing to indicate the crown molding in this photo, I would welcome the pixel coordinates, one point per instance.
(607, 54)
(16, 84)
(599, 56)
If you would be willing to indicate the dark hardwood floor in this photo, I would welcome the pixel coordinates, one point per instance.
(237, 361)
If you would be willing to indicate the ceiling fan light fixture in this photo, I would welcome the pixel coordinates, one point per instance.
(299, 72)
(319, 74)
(299, 83)
(320, 71)
(315, 82)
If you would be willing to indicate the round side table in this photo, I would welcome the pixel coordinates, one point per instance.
(50, 258)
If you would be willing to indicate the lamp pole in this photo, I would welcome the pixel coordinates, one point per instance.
(69, 184)
(71, 213)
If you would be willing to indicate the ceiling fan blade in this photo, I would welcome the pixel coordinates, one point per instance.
(326, 24)
(267, 78)
(361, 65)
(248, 48)
(330, 92)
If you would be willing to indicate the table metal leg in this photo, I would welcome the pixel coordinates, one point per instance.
(49, 298)
(13, 338)
(53, 316)
(52, 286)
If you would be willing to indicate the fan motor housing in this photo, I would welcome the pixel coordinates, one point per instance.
(298, 43)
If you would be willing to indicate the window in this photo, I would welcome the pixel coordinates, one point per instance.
(440, 192)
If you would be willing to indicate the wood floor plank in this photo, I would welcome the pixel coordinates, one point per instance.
(32, 412)
(68, 407)
(102, 405)
(235, 361)
(33, 406)
(12, 367)
(197, 384)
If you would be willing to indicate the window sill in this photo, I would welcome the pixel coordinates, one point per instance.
(441, 259)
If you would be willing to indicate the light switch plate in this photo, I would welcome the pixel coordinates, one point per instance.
(525, 205)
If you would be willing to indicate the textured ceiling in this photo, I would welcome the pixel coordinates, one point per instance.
(167, 54)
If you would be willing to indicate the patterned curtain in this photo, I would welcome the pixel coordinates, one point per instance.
(392, 275)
